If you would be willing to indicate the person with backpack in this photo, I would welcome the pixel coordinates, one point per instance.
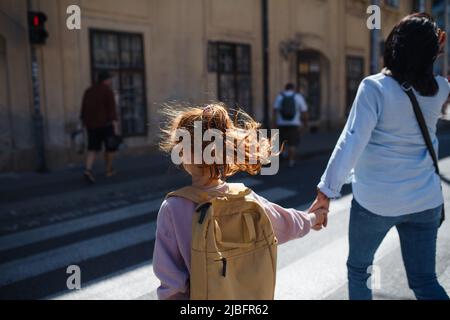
(290, 113)
(390, 141)
(217, 240)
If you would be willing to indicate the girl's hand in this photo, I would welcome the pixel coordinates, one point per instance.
(319, 219)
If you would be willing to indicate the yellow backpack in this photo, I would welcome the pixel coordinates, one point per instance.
(234, 248)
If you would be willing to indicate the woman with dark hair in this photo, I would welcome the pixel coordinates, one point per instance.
(395, 183)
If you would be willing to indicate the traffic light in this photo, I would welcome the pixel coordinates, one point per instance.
(36, 26)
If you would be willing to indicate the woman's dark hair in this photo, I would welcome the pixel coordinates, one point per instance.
(411, 50)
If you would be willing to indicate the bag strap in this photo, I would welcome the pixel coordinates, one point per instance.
(422, 124)
(193, 194)
(408, 89)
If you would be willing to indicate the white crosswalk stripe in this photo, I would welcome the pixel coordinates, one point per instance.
(64, 256)
(63, 228)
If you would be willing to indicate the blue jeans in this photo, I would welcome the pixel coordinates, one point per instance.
(418, 236)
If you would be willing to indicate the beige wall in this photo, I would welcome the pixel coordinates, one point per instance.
(336, 29)
(175, 35)
(16, 149)
(5, 129)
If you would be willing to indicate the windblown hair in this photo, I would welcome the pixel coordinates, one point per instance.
(411, 50)
(217, 116)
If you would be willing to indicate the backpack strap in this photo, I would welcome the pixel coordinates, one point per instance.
(238, 189)
(196, 195)
(193, 194)
(200, 196)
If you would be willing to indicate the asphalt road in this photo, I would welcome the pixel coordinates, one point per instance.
(114, 247)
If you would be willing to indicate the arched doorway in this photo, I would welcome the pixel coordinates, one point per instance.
(312, 70)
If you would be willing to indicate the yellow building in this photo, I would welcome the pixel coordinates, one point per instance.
(184, 50)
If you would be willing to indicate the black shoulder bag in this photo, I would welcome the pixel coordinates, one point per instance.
(425, 133)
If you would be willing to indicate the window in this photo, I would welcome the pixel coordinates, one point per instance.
(232, 63)
(355, 74)
(122, 54)
(393, 3)
(308, 79)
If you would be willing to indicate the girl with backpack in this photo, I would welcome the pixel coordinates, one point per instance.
(216, 240)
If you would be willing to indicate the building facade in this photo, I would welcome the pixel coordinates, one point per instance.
(188, 51)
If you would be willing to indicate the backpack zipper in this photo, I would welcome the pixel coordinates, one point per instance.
(224, 267)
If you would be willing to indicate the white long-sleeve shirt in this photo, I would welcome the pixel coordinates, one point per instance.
(394, 173)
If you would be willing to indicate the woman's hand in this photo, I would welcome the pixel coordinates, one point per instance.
(321, 202)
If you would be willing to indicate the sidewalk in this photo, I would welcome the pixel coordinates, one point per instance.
(29, 200)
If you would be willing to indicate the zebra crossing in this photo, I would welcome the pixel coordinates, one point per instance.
(114, 249)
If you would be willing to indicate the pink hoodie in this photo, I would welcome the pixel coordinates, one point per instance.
(172, 253)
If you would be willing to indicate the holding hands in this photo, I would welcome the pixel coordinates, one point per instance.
(319, 210)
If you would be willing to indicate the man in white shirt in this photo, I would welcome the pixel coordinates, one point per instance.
(291, 113)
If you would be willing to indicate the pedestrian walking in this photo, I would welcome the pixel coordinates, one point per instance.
(99, 117)
(216, 240)
(291, 114)
(390, 142)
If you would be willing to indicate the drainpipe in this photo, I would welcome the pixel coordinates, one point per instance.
(265, 47)
(422, 7)
(375, 46)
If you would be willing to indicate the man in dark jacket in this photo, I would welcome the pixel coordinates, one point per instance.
(99, 116)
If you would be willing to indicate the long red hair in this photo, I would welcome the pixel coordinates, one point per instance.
(217, 116)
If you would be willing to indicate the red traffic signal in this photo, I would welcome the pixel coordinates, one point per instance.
(36, 26)
(36, 21)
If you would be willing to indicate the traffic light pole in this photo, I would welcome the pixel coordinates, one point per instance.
(38, 120)
(265, 38)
